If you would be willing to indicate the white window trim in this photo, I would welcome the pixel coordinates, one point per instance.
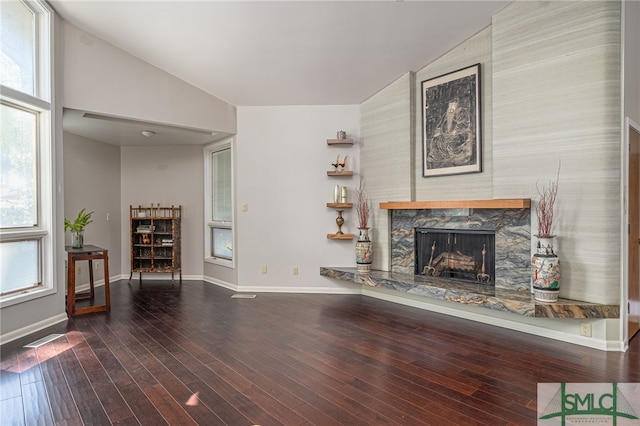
(208, 224)
(42, 101)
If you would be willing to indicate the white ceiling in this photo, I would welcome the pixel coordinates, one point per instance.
(283, 52)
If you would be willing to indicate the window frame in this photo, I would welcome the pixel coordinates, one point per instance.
(209, 224)
(41, 103)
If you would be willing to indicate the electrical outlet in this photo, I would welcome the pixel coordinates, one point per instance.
(78, 269)
(295, 270)
(585, 329)
(97, 265)
(263, 270)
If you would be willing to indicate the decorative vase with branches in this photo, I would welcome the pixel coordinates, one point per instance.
(364, 247)
(545, 264)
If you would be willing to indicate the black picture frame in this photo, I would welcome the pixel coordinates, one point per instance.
(451, 123)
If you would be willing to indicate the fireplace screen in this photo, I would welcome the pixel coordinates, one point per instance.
(463, 254)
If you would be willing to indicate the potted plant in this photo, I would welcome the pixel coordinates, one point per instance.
(77, 228)
(364, 248)
(545, 279)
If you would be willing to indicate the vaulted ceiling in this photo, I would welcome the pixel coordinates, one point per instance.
(283, 52)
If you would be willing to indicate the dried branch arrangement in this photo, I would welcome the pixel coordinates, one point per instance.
(545, 206)
(362, 207)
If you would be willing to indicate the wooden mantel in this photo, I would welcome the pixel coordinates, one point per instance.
(513, 203)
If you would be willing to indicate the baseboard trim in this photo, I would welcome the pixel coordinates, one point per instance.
(158, 276)
(300, 290)
(32, 328)
(291, 290)
(225, 284)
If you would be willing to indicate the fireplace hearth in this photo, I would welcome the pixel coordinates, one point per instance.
(453, 253)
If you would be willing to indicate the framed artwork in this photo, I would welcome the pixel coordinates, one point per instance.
(451, 126)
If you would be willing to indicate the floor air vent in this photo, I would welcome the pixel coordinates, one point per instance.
(243, 296)
(44, 340)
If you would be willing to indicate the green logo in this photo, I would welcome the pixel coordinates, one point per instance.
(588, 405)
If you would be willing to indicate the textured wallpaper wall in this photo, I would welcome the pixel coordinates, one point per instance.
(551, 92)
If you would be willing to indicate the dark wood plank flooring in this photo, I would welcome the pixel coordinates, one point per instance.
(190, 354)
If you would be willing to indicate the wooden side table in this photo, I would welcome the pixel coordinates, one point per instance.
(90, 253)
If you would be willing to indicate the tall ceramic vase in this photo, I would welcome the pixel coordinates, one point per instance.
(545, 271)
(364, 251)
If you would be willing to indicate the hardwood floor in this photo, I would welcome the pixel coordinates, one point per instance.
(190, 354)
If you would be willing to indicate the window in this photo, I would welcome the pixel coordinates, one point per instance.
(219, 203)
(26, 171)
(18, 46)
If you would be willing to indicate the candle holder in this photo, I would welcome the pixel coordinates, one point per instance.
(340, 222)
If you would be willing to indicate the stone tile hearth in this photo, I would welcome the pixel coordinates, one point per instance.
(476, 294)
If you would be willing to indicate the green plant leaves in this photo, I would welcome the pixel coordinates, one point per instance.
(80, 222)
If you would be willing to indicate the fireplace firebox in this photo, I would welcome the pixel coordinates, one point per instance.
(454, 253)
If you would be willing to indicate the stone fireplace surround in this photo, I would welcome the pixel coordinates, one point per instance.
(512, 229)
(458, 253)
(511, 221)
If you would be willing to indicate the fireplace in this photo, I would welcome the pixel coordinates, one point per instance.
(454, 253)
(511, 228)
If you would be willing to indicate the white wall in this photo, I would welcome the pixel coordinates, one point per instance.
(92, 182)
(281, 162)
(104, 79)
(169, 175)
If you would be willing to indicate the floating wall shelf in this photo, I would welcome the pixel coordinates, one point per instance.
(340, 205)
(340, 173)
(340, 236)
(339, 141)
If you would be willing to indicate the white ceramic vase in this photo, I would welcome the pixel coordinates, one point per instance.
(545, 271)
(364, 251)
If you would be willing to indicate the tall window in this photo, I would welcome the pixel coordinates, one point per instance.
(26, 206)
(219, 202)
